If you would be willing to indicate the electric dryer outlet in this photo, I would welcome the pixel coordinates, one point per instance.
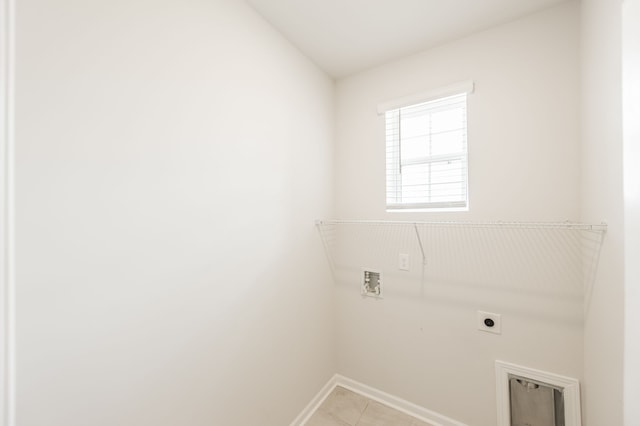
(490, 322)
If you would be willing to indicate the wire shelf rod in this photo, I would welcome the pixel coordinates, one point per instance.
(602, 227)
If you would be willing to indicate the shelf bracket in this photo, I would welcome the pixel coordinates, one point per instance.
(424, 257)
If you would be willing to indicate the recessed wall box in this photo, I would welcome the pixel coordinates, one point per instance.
(371, 283)
(527, 396)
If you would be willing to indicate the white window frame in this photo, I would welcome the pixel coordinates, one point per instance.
(393, 164)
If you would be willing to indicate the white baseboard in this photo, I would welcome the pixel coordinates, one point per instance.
(317, 400)
(399, 404)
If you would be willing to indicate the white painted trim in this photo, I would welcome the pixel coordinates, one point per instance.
(570, 386)
(7, 362)
(429, 95)
(389, 400)
(317, 400)
(631, 149)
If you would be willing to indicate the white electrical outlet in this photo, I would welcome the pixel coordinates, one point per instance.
(403, 261)
(490, 322)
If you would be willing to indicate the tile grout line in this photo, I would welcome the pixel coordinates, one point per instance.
(362, 412)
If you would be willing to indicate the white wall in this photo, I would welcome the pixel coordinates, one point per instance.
(523, 121)
(631, 112)
(602, 199)
(171, 157)
(420, 341)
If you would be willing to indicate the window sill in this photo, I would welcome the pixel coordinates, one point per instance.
(428, 210)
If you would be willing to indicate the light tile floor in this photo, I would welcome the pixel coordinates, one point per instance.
(345, 408)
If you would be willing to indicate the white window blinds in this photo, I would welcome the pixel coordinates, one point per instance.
(427, 154)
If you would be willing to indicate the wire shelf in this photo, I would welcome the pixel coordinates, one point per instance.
(499, 225)
(557, 259)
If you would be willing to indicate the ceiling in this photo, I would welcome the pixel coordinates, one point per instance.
(347, 36)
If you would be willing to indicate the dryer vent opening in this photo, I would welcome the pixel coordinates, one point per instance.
(533, 403)
(531, 397)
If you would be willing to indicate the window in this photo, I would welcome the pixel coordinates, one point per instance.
(427, 153)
